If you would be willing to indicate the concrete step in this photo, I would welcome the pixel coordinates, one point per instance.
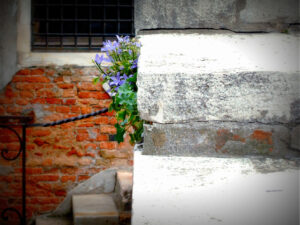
(94, 209)
(44, 220)
(123, 190)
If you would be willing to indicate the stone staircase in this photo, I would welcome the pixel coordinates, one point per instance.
(99, 209)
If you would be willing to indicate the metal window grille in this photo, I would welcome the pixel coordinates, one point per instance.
(79, 25)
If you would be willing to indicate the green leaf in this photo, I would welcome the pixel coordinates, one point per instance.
(121, 115)
(120, 133)
(96, 80)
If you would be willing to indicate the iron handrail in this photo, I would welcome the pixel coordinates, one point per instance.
(25, 123)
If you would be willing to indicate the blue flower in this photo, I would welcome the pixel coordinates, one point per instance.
(134, 64)
(125, 39)
(115, 80)
(100, 59)
(110, 46)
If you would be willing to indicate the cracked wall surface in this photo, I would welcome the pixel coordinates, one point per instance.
(236, 15)
(235, 87)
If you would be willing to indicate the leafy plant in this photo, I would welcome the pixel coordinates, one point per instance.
(121, 76)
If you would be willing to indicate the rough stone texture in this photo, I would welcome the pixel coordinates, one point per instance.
(237, 15)
(217, 139)
(218, 75)
(94, 210)
(43, 220)
(8, 41)
(123, 190)
(295, 137)
(217, 191)
(59, 157)
(103, 182)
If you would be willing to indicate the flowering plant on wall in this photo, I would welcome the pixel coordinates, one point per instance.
(119, 80)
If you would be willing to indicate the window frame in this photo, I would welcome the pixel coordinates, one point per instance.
(28, 58)
(88, 39)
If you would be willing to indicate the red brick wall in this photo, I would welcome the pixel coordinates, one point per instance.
(59, 157)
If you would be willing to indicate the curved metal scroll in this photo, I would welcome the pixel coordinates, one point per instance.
(5, 151)
(5, 217)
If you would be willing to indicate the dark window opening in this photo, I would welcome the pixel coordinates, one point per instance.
(80, 25)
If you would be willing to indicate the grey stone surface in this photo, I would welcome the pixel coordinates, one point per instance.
(217, 139)
(103, 182)
(5, 170)
(237, 15)
(8, 41)
(124, 184)
(295, 137)
(218, 75)
(217, 191)
(94, 210)
(44, 220)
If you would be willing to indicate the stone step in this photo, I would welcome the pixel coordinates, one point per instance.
(214, 190)
(94, 209)
(44, 220)
(123, 190)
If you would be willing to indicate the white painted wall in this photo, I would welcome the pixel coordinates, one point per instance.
(8, 48)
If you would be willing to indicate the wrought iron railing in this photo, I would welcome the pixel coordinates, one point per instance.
(7, 122)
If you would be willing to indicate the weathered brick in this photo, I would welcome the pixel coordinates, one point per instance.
(58, 79)
(86, 110)
(37, 170)
(46, 94)
(83, 177)
(69, 102)
(89, 86)
(102, 120)
(66, 86)
(38, 178)
(90, 146)
(62, 109)
(23, 72)
(61, 193)
(86, 125)
(69, 93)
(50, 72)
(31, 79)
(109, 154)
(102, 137)
(108, 129)
(26, 94)
(4, 100)
(14, 109)
(56, 101)
(37, 71)
(82, 137)
(52, 162)
(69, 170)
(40, 142)
(85, 94)
(47, 162)
(68, 178)
(76, 109)
(108, 145)
(113, 121)
(38, 101)
(43, 200)
(26, 86)
(75, 152)
(40, 132)
(22, 101)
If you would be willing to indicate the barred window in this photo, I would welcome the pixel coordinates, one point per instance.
(80, 25)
